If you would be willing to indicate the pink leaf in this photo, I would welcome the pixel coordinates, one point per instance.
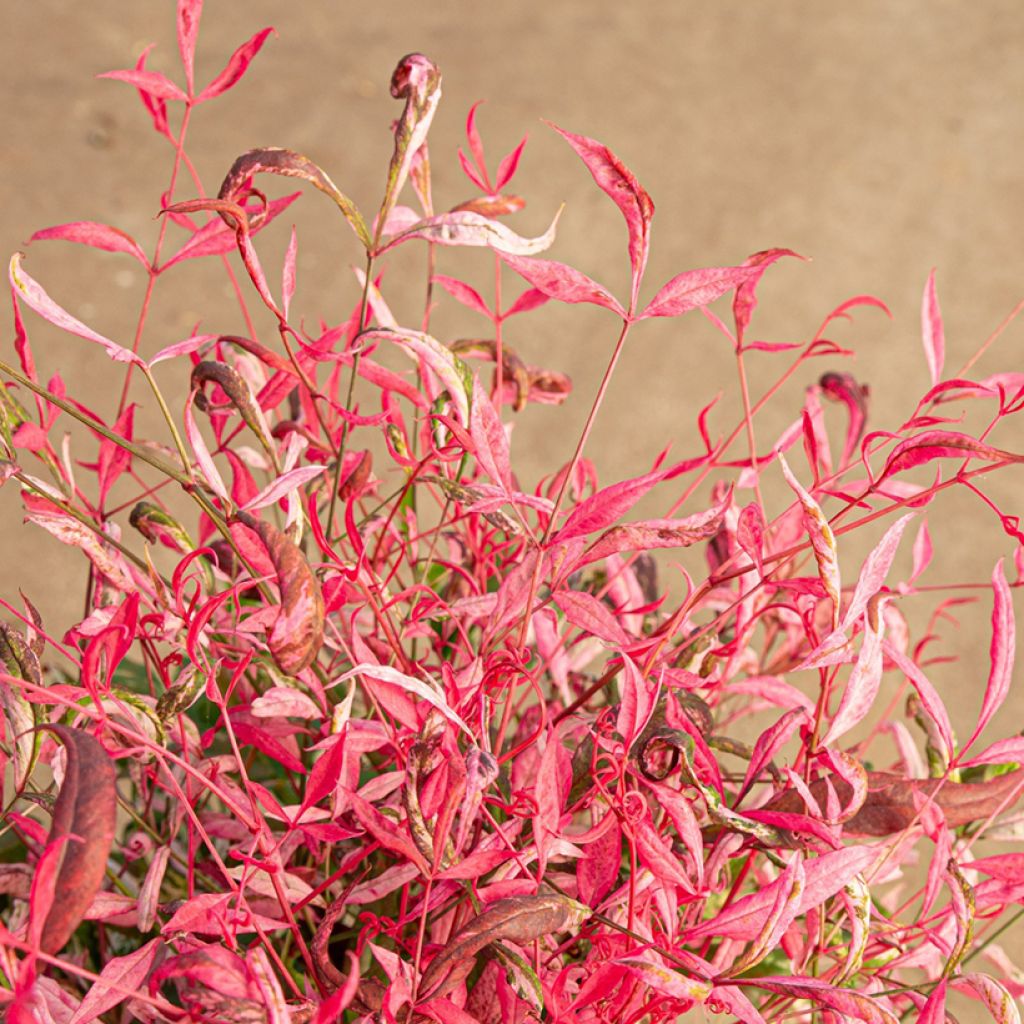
(824, 877)
(189, 13)
(655, 854)
(462, 292)
(941, 444)
(471, 172)
(476, 146)
(507, 167)
(152, 82)
(203, 457)
(489, 438)
(875, 569)
(594, 617)
(865, 679)
(923, 552)
(823, 541)
(750, 529)
(215, 237)
(604, 508)
(561, 282)
(843, 1000)
(598, 868)
(238, 63)
(182, 348)
(656, 533)
(745, 300)
(529, 299)
(993, 994)
(668, 982)
(98, 236)
(121, 978)
(283, 485)
(465, 227)
(932, 332)
(1001, 651)
(619, 183)
(695, 288)
(156, 107)
(33, 295)
(930, 699)
(215, 913)
(639, 700)
(288, 274)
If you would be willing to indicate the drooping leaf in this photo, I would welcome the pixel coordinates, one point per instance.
(34, 296)
(237, 389)
(519, 919)
(97, 236)
(84, 817)
(468, 227)
(620, 184)
(274, 160)
(297, 634)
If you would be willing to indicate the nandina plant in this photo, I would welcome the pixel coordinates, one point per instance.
(380, 730)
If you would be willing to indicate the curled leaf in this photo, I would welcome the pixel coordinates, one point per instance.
(519, 919)
(274, 160)
(297, 634)
(238, 391)
(84, 815)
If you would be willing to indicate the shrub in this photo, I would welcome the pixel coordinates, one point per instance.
(361, 725)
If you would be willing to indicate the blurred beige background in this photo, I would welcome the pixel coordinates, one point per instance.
(881, 139)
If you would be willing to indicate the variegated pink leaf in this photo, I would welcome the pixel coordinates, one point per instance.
(237, 65)
(932, 332)
(33, 295)
(865, 679)
(941, 444)
(189, 13)
(152, 82)
(97, 236)
(561, 282)
(465, 227)
(694, 289)
(875, 569)
(594, 617)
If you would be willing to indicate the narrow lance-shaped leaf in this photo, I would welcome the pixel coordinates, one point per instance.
(933, 333)
(274, 160)
(561, 282)
(469, 227)
(519, 919)
(297, 634)
(620, 184)
(237, 65)
(823, 541)
(152, 82)
(745, 300)
(189, 13)
(97, 236)
(843, 1000)
(865, 679)
(1002, 650)
(875, 569)
(656, 533)
(35, 297)
(121, 978)
(238, 391)
(941, 444)
(694, 289)
(85, 813)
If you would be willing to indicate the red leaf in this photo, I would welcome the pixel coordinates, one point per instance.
(85, 813)
(695, 288)
(288, 273)
(238, 63)
(932, 332)
(529, 299)
(387, 832)
(152, 82)
(189, 13)
(619, 183)
(476, 146)
(598, 869)
(561, 282)
(98, 236)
